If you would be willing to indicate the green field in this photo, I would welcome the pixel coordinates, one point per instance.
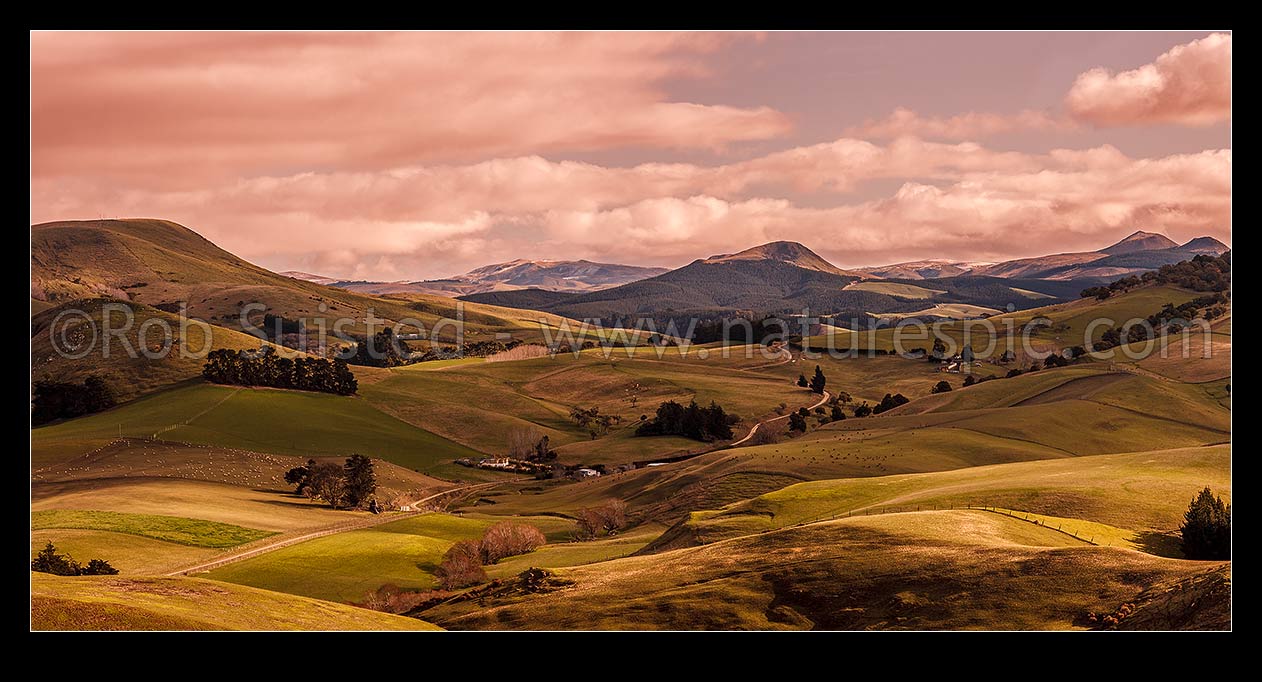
(117, 603)
(264, 420)
(179, 530)
(344, 567)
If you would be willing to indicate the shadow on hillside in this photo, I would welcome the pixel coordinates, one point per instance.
(1168, 545)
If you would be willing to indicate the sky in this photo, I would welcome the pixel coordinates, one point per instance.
(406, 156)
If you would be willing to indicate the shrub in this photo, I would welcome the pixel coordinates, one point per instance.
(461, 566)
(970, 380)
(507, 539)
(609, 518)
(941, 387)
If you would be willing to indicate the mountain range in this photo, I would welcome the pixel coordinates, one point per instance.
(547, 275)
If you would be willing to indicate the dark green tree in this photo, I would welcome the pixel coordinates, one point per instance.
(361, 481)
(802, 381)
(863, 410)
(970, 380)
(797, 422)
(1206, 528)
(941, 387)
(300, 477)
(818, 381)
(837, 413)
(49, 561)
(98, 567)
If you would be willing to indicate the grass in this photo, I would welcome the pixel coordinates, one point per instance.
(130, 554)
(1142, 494)
(896, 289)
(264, 420)
(119, 603)
(176, 529)
(266, 510)
(345, 566)
(928, 570)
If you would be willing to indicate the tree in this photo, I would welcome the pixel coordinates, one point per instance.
(802, 381)
(461, 566)
(1206, 528)
(797, 422)
(49, 561)
(939, 349)
(818, 381)
(327, 481)
(970, 380)
(941, 387)
(863, 410)
(300, 477)
(837, 413)
(699, 423)
(65, 400)
(360, 481)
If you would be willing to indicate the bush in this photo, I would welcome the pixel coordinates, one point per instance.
(765, 436)
(1206, 528)
(507, 539)
(461, 566)
(970, 380)
(941, 387)
(863, 410)
(797, 422)
(49, 561)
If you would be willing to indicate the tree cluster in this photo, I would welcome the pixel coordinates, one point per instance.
(1202, 273)
(941, 387)
(597, 424)
(350, 485)
(698, 423)
(266, 368)
(65, 400)
(384, 349)
(887, 403)
(49, 561)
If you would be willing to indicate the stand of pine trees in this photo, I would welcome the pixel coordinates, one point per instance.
(225, 366)
(699, 423)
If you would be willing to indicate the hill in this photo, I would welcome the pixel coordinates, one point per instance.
(1140, 241)
(163, 265)
(114, 603)
(921, 570)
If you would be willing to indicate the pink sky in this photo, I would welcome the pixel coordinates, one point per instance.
(420, 155)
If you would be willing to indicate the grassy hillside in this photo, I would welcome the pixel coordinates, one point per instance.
(928, 570)
(346, 566)
(127, 370)
(1143, 493)
(114, 603)
(263, 420)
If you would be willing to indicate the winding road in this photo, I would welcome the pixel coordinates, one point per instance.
(281, 541)
(754, 430)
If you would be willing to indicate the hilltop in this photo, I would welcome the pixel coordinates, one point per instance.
(544, 275)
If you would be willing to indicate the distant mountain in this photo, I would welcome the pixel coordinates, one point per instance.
(1205, 245)
(1139, 252)
(548, 275)
(922, 269)
(308, 277)
(791, 253)
(1141, 241)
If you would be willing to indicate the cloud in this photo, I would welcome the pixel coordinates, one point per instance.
(1189, 85)
(954, 201)
(180, 108)
(967, 126)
